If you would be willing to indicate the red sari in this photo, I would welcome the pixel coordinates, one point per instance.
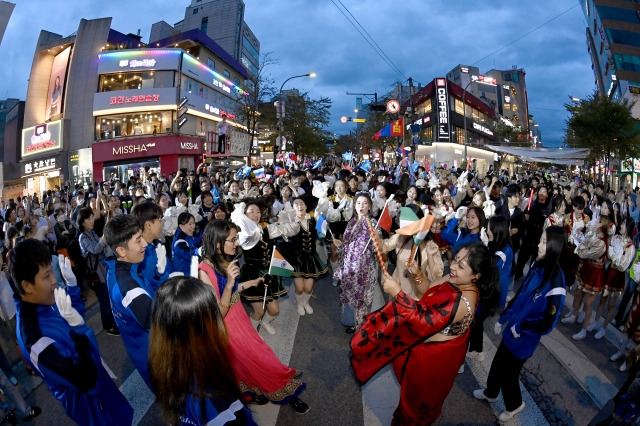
(426, 370)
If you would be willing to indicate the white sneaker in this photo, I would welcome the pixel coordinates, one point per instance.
(569, 320)
(461, 370)
(580, 318)
(505, 416)
(616, 356)
(479, 394)
(580, 335)
(308, 308)
(592, 326)
(300, 301)
(600, 334)
(478, 356)
(267, 327)
(568, 314)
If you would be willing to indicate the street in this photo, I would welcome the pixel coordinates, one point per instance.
(564, 382)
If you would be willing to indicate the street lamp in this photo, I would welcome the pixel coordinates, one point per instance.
(280, 112)
(482, 80)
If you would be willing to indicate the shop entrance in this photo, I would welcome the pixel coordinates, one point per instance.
(123, 171)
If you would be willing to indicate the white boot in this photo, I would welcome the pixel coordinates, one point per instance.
(265, 323)
(307, 308)
(255, 323)
(334, 266)
(300, 300)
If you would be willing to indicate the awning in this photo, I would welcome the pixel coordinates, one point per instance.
(545, 155)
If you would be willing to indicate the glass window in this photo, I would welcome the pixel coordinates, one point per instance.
(127, 81)
(427, 133)
(507, 107)
(425, 107)
(618, 14)
(249, 65)
(627, 62)
(195, 11)
(458, 106)
(227, 73)
(623, 37)
(252, 50)
(203, 24)
(211, 63)
(138, 124)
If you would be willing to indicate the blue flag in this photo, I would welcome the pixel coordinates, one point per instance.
(317, 164)
(414, 166)
(366, 165)
(244, 171)
(321, 226)
(347, 156)
(216, 195)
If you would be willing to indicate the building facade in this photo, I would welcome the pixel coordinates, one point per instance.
(223, 22)
(613, 42)
(6, 9)
(11, 121)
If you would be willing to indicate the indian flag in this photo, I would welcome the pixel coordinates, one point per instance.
(411, 225)
(279, 266)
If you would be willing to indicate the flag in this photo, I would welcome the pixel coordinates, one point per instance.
(279, 171)
(292, 157)
(268, 178)
(216, 194)
(411, 225)
(385, 220)
(259, 173)
(347, 156)
(346, 167)
(306, 163)
(366, 165)
(279, 266)
(244, 171)
(392, 129)
(321, 226)
(317, 164)
(414, 166)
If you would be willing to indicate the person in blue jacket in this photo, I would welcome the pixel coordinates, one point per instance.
(532, 313)
(499, 244)
(190, 370)
(53, 336)
(185, 243)
(458, 237)
(130, 293)
(155, 267)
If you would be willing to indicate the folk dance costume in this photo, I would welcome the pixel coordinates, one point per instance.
(621, 252)
(573, 224)
(441, 213)
(399, 333)
(339, 213)
(357, 271)
(554, 219)
(593, 252)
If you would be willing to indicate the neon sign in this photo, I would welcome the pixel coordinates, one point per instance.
(136, 99)
(220, 112)
(134, 63)
(42, 138)
(443, 109)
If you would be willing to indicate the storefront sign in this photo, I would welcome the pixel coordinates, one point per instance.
(482, 129)
(139, 60)
(190, 146)
(222, 113)
(420, 121)
(136, 99)
(42, 138)
(38, 166)
(442, 95)
(151, 99)
(146, 147)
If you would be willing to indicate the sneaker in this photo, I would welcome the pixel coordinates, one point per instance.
(13, 380)
(33, 412)
(592, 326)
(308, 309)
(479, 394)
(299, 406)
(571, 319)
(568, 314)
(616, 356)
(600, 334)
(580, 318)
(301, 311)
(113, 331)
(461, 370)
(505, 416)
(267, 327)
(623, 367)
(580, 335)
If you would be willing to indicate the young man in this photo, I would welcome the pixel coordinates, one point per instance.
(52, 335)
(131, 294)
(155, 267)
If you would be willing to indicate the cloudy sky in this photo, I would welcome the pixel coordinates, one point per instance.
(423, 39)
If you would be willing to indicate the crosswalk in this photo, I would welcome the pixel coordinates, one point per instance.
(381, 394)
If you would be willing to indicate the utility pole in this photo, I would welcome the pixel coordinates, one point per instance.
(375, 103)
(413, 119)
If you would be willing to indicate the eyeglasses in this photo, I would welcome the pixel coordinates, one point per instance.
(233, 240)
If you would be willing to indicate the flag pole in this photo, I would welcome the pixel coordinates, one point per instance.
(383, 209)
(264, 300)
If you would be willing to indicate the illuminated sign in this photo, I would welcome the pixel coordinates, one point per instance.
(190, 146)
(38, 166)
(132, 59)
(507, 99)
(442, 96)
(136, 99)
(220, 112)
(56, 84)
(42, 138)
(464, 70)
(485, 79)
(132, 148)
(482, 129)
(134, 63)
(200, 72)
(634, 89)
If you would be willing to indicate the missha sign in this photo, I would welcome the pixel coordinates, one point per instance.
(140, 147)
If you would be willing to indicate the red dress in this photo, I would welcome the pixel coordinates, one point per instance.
(426, 370)
(255, 365)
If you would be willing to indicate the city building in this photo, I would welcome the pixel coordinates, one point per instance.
(102, 104)
(223, 22)
(11, 120)
(6, 9)
(613, 42)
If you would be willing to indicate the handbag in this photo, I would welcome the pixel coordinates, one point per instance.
(92, 276)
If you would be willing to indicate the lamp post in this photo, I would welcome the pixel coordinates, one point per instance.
(280, 112)
(482, 80)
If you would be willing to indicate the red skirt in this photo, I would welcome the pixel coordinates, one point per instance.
(591, 277)
(615, 281)
(442, 244)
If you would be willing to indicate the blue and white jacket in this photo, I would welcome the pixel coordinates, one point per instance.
(69, 362)
(131, 298)
(149, 266)
(218, 411)
(458, 238)
(534, 311)
(183, 248)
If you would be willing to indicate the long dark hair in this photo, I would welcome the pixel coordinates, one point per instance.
(555, 252)
(480, 260)
(188, 345)
(499, 227)
(215, 235)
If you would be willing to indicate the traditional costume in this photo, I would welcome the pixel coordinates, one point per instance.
(621, 253)
(593, 252)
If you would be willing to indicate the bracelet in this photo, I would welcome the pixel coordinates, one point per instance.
(224, 306)
(418, 278)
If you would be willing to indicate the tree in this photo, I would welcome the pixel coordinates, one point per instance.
(260, 87)
(514, 135)
(604, 126)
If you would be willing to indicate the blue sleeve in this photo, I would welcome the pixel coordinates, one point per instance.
(554, 299)
(182, 258)
(135, 298)
(449, 233)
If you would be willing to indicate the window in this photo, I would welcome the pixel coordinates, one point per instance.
(514, 107)
(507, 107)
(124, 125)
(195, 11)
(211, 63)
(618, 14)
(425, 107)
(514, 92)
(252, 50)
(227, 73)
(203, 24)
(127, 81)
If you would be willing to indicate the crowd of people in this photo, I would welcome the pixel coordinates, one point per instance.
(174, 260)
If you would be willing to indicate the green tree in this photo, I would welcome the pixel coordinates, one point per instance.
(504, 132)
(604, 126)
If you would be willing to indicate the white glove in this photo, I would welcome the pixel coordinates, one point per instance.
(194, 266)
(483, 236)
(161, 252)
(66, 271)
(497, 329)
(461, 212)
(63, 301)
(514, 332)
